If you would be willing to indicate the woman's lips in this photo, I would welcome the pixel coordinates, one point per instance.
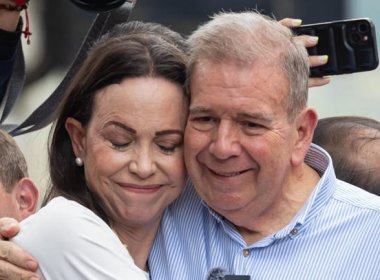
(141, 188)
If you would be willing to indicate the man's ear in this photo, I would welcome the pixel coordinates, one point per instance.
(26, 196)
(305, 124)
(76, 132)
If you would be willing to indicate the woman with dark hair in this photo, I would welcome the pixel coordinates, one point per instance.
(116, 159)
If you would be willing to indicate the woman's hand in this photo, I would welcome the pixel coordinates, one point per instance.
(309, 41)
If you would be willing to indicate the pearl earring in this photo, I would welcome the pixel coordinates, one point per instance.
(78, 161)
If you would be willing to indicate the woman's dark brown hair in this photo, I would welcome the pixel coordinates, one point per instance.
(130, 50)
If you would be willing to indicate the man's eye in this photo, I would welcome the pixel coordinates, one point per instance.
(203, 123)
(251, 125)
(205, 119)
(252, 128)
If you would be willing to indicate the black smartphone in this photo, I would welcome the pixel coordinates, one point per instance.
(350, 45)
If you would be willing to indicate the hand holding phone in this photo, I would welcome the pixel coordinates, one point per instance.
(350, 46)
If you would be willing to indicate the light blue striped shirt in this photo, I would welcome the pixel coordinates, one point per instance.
(336, 235)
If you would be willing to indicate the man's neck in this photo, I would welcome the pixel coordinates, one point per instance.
(272, 218)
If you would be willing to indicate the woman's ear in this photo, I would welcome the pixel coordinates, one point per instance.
(305, 124)
(77, 136)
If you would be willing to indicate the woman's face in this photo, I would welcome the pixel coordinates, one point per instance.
(132, 148)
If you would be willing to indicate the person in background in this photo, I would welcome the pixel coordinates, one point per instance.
(353, 143)
(18, 193)
(10, 33)
(18, 196)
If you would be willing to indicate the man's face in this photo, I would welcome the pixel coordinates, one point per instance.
(238, 141)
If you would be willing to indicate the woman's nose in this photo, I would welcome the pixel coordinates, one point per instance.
(143, 165)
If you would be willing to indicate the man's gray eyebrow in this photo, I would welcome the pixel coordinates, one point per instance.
(199, 109)
(255, 116)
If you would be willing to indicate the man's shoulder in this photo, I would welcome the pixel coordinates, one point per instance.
(357, 198)
(185, 208)
(188, 198)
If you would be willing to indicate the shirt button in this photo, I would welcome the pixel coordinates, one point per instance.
(245, 252)
(294, 231)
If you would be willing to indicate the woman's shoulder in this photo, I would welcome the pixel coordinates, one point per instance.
(61, 222)
(70, 234)
(61, 213)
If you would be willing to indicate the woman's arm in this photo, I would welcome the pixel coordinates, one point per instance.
(71, 242)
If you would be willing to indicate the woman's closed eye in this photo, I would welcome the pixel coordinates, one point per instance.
(118, 135)
(119, 145)
(168, 148)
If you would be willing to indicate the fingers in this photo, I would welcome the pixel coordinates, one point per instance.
(10, 272)
(291, 22)
(8, 227)
(315, 60)
(318, 60)
(309, 41)
(12, 253)
(317, 82)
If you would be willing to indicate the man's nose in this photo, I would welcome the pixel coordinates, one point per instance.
(226, 141)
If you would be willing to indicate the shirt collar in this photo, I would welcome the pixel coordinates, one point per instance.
(319, 160)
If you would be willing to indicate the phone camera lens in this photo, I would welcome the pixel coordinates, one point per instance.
(363, 27)
(356, 38)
